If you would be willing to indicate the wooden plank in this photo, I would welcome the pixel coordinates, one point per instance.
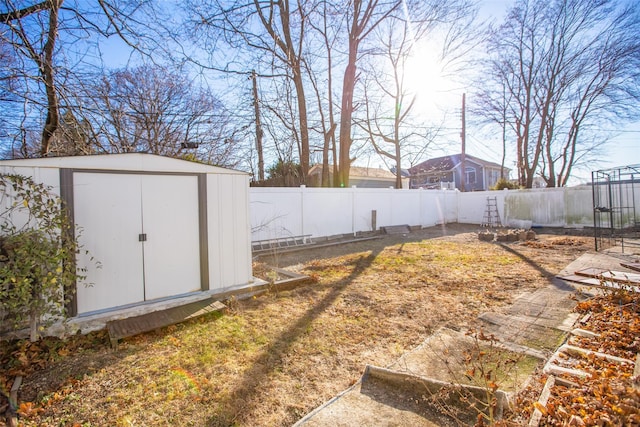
(587, 281)
(551, 368)
(597, 283)
(584, 333)
(396, 229)
(534, 421)
(591, 272)
(12, 411)
(636, 373)
(573, 350)
(616, 276)
(631, 265)
(148, 322)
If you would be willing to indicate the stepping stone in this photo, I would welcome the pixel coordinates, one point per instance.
(396, 229)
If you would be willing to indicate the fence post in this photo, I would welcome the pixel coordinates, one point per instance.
(302, 187)
(564, 206)
(353, 210)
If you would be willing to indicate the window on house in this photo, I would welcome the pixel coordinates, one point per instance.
(494, 175)
(470, 174)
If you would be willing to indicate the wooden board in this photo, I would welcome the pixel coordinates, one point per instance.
(597, 283)
(148, 322)
(615, 276)
(396, 229)
(631, 265)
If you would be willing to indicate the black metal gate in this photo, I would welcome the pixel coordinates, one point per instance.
(616, 206)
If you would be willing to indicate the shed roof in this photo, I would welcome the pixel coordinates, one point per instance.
(142, 162)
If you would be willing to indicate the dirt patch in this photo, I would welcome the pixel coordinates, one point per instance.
(271, 359)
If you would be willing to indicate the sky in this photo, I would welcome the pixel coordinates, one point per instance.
(623, 149)
(440, 97)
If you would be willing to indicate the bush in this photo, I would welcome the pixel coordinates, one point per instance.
(503, 183)
(37, 254)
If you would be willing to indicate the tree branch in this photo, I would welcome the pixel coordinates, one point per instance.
(13, 15)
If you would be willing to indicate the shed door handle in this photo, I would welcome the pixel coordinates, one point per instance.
(142, 237)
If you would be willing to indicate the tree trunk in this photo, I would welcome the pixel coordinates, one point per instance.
(47, 72)
(304, 127)
(346, 114)
(329, 138)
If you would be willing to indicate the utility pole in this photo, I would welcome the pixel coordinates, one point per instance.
(463, 171)
(256, 107)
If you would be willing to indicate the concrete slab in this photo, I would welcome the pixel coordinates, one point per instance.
(438, 357)
(423, 388)
(367, 405)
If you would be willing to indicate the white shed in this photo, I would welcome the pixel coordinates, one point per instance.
(159, 227)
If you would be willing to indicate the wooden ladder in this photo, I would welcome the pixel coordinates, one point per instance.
(491, 217)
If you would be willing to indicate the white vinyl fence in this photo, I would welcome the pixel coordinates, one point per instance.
(286, 212)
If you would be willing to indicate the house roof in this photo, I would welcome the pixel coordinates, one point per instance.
(448, 163)
(360, 172)
(122, 161)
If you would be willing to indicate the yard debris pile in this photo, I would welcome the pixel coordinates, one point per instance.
(595, 382)
(510, 235)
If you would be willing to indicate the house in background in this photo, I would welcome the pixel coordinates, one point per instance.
(446, 172)
(358, 176)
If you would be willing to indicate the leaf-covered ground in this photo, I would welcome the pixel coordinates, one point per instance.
(269, 360)
(607, 396)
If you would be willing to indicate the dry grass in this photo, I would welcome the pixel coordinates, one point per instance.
(271, 359)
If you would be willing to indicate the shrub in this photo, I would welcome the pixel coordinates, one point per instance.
(37, 254)
(503, 183)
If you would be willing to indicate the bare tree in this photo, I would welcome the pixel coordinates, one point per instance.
(156, 110)
(386, 115)
(7, 82)
(270, 30)
(73, 137)
(567, 67)
(389, 99)
(277, 19)
(362, 16)
(39, 48)
(281, 120)
(50, 42)
(492, 108)
(365, 16)
(7, 72)
(328, 29)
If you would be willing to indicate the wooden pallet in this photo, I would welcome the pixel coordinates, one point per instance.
(131, 326)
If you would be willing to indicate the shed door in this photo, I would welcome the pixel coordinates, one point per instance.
(170, 222)
(143, 230)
